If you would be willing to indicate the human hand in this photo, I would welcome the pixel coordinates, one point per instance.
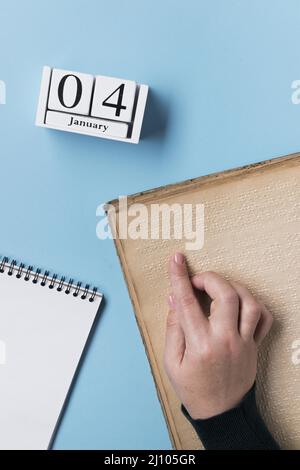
(211, 361)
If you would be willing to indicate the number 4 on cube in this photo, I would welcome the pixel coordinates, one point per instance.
(113, 99)
(100, 106)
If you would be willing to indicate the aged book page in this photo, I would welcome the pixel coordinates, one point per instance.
(252, 226)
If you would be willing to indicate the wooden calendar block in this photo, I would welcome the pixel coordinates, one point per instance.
(70, 92)
(106, 107)
(113, 98)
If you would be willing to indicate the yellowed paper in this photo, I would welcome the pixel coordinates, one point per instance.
(252, 226)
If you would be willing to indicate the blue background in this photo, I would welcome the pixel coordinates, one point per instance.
(220, 74)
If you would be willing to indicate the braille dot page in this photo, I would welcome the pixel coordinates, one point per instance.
(252, 226)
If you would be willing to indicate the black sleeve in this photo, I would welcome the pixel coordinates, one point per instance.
(240, 428)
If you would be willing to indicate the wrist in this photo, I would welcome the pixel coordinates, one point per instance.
(239, 428)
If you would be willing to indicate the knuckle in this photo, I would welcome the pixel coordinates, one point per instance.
(178, 272)
(253, 308)
(229, 296)
(206, 354)
(203, 353)
(230, 344)
(187, 300)
(179, 277)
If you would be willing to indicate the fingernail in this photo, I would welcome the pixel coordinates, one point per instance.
(171, 301)
(179, 258)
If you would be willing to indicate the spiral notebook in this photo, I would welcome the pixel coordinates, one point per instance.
(45, 322)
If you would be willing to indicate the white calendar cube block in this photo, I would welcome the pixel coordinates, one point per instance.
(70, 92)
(113, 98)
(65, 104)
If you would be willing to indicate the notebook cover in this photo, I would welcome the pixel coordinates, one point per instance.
(252, 227)
(45, 324)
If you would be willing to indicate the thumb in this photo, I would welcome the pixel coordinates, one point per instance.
(174, 342)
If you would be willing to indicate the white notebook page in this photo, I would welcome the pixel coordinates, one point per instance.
(43, 333)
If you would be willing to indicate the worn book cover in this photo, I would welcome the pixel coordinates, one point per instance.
(251, 234)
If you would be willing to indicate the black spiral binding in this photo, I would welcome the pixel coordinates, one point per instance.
(44, 279)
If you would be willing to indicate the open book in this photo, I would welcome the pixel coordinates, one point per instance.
(252, 227)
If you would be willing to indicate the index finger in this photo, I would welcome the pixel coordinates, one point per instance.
(191, 315)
